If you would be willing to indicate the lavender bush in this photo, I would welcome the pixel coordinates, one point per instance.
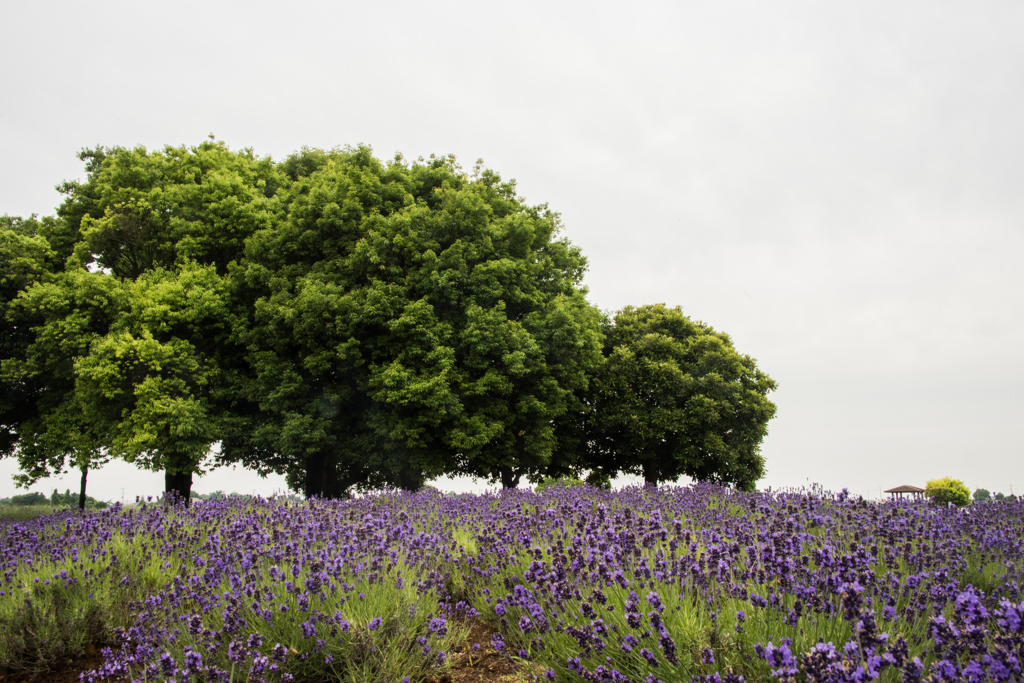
(644, 584)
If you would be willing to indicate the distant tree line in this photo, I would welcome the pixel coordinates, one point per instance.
(221, 495)
(982, 495)
(348, 323)
(949, 491)
(56, 499)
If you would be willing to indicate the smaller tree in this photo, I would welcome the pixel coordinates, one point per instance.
(674, 398)
(982, 495)
(947, 490)
(152, 382)
(41, 422)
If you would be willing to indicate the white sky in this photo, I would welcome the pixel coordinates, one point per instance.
(836, 185)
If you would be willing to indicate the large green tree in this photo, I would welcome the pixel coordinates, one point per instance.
(408, 321)
(673, 398)
(152, 378)
(349, 323)
(41, 421)
(65, 314)
(155, 379)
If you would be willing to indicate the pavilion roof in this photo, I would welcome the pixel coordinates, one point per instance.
(906, 488)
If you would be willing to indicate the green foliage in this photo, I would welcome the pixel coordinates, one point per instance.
(148, 210)
(409, 321)
(565, 482)
(151, 380)
(135, 360)
(675, 398)
(349, 323)
(69, 499)
(947, 490)
(66, 313)
(221, 495)
(25, 258)
(55, 500)
(34, 498)
(211, 496)
(981, 495)
(599, 479)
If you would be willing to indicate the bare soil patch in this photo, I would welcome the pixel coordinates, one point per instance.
(469, 665)
(483, 665)
(68, 672)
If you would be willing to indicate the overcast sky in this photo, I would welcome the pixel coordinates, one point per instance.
(838, 186)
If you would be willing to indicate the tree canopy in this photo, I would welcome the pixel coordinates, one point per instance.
(25, 256)
(675, 398)
(410, 321)
(947, 490)
(347, 322)
(142, 210)
(41, 418)
(130, 351)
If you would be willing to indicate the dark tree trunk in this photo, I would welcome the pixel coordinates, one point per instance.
(178, 486)
(650, 474)
(410, 479)
(81, 489)
(509, 477)
(327, 477)
(314, 485)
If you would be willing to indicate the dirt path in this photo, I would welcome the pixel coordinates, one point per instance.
(482, 665)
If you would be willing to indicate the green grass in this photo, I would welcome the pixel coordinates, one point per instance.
(24, 513)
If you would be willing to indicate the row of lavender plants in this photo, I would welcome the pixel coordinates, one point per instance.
(644, 584)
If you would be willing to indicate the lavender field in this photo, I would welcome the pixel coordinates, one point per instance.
(643, 584)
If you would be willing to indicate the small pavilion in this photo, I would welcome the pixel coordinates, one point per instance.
(912, 491)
